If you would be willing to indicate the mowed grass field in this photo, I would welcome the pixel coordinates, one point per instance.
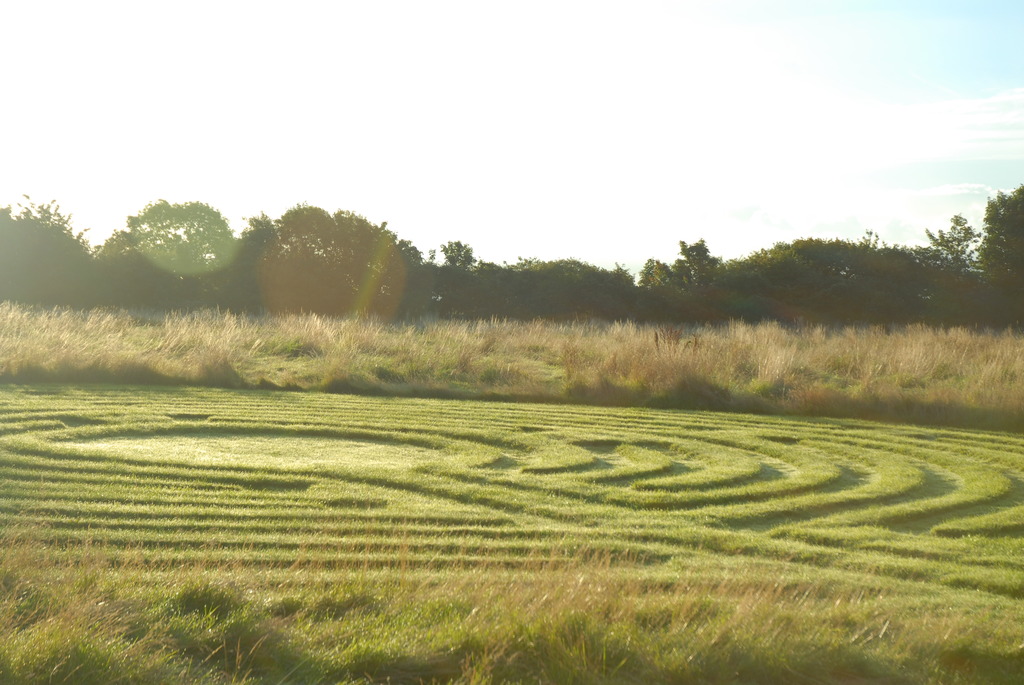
(207, 536)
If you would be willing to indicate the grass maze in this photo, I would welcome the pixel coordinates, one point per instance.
(272, 479)
(294, 486)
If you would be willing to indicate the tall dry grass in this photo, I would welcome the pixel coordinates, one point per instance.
(915, 373)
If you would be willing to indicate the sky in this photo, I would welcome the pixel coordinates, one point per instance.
(600, 131)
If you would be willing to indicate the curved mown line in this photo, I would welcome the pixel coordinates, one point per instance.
(512, 481)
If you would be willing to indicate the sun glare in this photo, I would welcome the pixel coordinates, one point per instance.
(518, 129)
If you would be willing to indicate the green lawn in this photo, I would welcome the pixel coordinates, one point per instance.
(158, 535)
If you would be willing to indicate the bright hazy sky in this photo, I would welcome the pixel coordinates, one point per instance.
(596, 130)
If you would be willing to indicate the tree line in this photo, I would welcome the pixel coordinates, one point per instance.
(185, 256)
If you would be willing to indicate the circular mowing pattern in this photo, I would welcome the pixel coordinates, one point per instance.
(339, 482)
(255, 452)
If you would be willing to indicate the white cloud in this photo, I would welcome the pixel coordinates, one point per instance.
(957, 189)
(545, 129)
(982, 128)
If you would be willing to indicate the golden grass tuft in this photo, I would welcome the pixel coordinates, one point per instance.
(914, 373)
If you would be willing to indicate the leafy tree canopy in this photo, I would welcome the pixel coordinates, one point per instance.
(954, 251)
(834, 280)
(458, 255)
(188, 238)
(655, 274)
(1002, 249)
(696, 266)
(334, 264)
(42, 260)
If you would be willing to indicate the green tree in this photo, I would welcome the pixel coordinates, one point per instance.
(130, 279)
(241, 288)
(955, 251)
(459, 289)
(418, 297)
(189, 238)
(836, 281)
(956, 292)
(42, 260)
(336, 264)
(655, 274)
(169, 256)
(458, 255)
(696, 266)
(1002, 249)
(567, 289)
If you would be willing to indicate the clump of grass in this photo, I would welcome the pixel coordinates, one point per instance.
(913, 373)
(583, 621)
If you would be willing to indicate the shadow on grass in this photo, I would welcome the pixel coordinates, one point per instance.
(689, 393)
